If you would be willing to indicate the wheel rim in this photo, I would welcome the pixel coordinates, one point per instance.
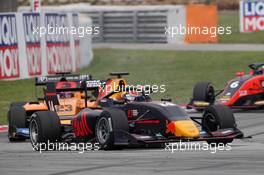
(210, 122)
(103, 130)
(33, 131)
(210, 93)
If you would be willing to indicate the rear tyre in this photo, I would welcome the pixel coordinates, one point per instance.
(16, 118)
(218, 117)
(44, 128)
(109, 122)
(204, 91)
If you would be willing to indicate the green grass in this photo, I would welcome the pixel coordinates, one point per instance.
(231, 18)
(179, 71)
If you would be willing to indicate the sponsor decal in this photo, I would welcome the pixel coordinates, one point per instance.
(252, 16)
(243, 93)
(227, 95)
(33, 49)
(234, 84)
(64, 108)
(59, 58)
(225, 98)
(148, 122)
(81, 127)
(166, 104)
(135, 112)
(93, 83)
(170, 127)
(66, 85)
(9, 58)
(131, 113)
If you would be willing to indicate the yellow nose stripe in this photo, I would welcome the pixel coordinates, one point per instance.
(184, 128)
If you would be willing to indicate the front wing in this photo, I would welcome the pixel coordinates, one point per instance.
(223, 134)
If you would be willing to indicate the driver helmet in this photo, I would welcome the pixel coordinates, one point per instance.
(133, 96)
(64, 95)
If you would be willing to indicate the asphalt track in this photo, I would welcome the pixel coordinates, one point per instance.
(182, 47)
(245, 157)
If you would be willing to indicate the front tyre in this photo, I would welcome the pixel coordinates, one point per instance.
(218, 117)
(111, 127)
(16, 118)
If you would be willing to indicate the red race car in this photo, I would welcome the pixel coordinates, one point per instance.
(242, 92)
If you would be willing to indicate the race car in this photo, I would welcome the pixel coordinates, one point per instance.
(242, 92)
(133, 119)
(70, 103)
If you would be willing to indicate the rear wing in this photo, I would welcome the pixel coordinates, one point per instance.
(42, 81)
(81, 86)
(256, 66)
(118, 74)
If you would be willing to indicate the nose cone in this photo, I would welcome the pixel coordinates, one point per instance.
(183, 128)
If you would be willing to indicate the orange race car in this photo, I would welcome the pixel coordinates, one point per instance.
(70, 104)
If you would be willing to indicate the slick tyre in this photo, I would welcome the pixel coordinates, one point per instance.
(204, 91)
(16, 118)
(218, 117)
(109, 122)
(44, 128)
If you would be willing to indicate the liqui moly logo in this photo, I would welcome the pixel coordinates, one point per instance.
(59, 58)
(252, 15)
(9, 59)
(33, 49)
